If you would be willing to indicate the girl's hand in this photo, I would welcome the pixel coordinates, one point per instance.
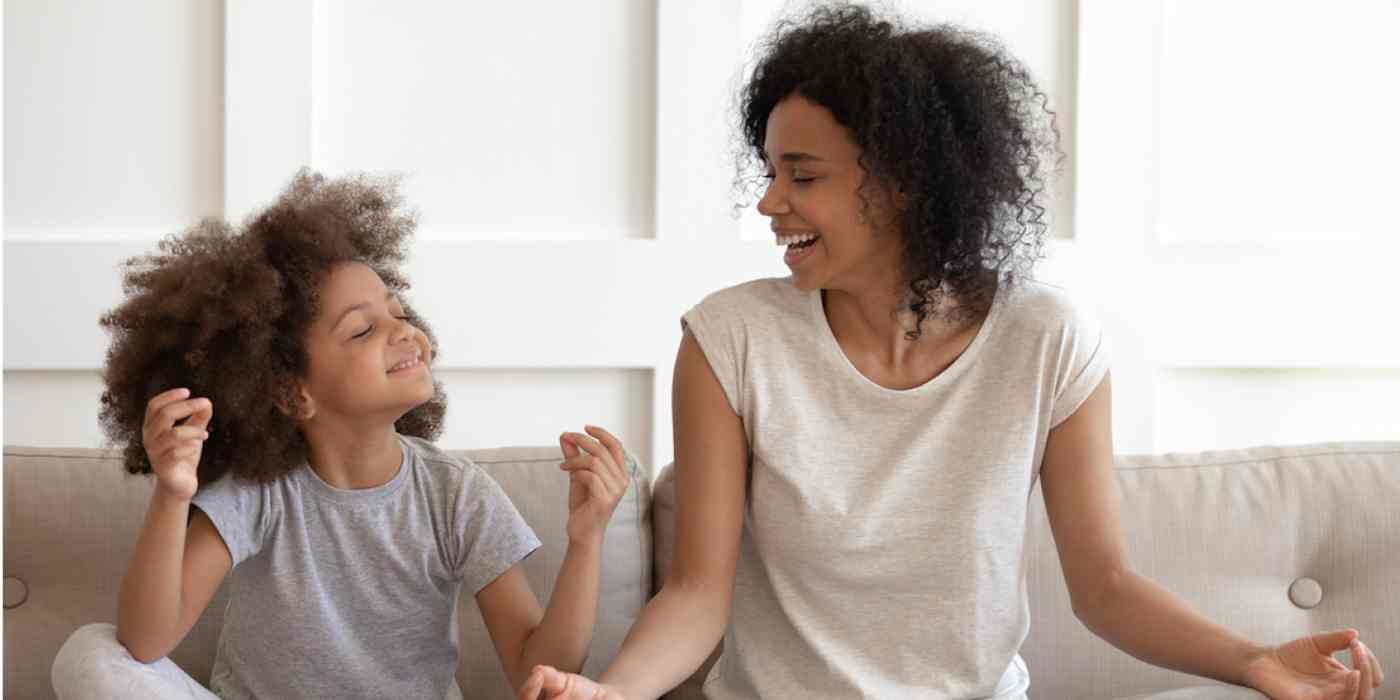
(597, 479)
(1304, 669)
(174, 450)
(549, 683)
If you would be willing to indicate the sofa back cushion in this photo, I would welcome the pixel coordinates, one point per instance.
(1249, 538)
(72, 517)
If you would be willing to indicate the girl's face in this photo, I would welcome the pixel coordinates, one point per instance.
(366, 359)
(834, 238)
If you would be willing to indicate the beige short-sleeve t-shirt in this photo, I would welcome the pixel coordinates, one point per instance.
(883, 548)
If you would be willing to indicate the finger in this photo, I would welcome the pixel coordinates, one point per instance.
(202, 414)
(592, 465)
(1377, 675)
(171, 440)
(591, 446)
(1353, 686)
(160, 400)
(188, 432)
(618, 467)
(596, 488)
(167, 416)
(609, 441)
(566, 446)
(533, 685)
(1358, 660)
(552, 682)
(1329, 643)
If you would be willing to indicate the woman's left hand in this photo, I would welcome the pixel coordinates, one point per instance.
(1304, 669)
(598, 477)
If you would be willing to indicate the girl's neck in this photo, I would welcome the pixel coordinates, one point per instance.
(352, 458)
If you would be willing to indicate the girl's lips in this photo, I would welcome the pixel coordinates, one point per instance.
(406, 365)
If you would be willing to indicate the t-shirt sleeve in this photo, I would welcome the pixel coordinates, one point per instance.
(493, 536)
(719, 332)
(239, 512)
(1083, 362)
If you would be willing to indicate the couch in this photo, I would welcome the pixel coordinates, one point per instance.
(1275, 542)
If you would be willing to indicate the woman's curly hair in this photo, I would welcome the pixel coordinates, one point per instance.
(225, 313)
(944, 116)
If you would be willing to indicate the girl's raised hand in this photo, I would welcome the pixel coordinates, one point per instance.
(598, 477)
(174, 450)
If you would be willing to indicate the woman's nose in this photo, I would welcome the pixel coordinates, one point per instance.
(774, 200)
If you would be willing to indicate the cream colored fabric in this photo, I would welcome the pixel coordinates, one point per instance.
(1229, 531)
(532, 479)
(71, 519)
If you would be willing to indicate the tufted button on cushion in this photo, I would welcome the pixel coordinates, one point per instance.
(1305, 593)
(16, 592)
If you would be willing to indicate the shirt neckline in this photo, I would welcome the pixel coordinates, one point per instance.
(351, 496)
(959, 365)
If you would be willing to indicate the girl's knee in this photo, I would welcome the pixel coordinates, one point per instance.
(89, 639)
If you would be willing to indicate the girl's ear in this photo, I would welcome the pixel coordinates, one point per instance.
(296, 404)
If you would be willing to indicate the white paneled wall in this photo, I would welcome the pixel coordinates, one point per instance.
(572, 170)
(113, 122)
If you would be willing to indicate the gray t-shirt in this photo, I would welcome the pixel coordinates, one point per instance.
(351, 594)
(883, 548)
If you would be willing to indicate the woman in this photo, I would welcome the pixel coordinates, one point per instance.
(856, 444)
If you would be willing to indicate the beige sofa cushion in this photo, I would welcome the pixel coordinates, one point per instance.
(72, 516)
(1231, 532)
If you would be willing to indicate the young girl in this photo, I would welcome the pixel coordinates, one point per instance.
(277, 384)
(856, 444)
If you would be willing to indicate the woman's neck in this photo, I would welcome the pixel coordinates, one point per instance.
(871, 330)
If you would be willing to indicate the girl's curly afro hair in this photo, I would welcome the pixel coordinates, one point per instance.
(225, 313)
(944, 115)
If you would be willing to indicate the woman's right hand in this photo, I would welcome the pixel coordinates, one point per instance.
(174, 450)
(549, 683)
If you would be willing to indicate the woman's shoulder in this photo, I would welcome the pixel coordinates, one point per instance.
(753, 298)
(1038, 306)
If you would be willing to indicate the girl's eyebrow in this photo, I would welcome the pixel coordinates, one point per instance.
(388, 296)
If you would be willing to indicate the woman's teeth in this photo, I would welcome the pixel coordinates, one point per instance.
(800, 240)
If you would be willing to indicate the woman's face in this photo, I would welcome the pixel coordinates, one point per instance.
(366, 359)
(833, 237)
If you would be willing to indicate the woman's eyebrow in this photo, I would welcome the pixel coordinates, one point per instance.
(797, 156)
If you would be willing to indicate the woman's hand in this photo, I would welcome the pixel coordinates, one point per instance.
(598, 477)
(174, 450)
(549, 683)
(1304, 669)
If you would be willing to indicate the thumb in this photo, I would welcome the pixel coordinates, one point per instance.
(1329, 642)
(201, 416)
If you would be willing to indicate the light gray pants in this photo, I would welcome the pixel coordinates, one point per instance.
(93, 664)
